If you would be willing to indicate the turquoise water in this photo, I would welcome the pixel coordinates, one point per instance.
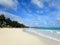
(48, 28)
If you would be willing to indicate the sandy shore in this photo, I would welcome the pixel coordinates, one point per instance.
(16, 36)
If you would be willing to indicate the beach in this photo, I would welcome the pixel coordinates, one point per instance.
(16, 36)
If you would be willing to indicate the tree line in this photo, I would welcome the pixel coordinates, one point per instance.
(7, 22)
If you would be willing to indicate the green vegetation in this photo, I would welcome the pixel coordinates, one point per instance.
(7, 22)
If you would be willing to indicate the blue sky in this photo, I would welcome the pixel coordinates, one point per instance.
(33, 13)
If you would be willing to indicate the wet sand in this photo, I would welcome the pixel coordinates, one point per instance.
(16, 36)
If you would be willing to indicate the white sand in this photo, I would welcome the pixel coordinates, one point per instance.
(16, 36)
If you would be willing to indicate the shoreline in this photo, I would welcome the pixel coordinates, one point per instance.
(41, 32)
(17, 36)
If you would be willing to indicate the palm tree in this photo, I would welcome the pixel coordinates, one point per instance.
(7, 22)
(2, 19)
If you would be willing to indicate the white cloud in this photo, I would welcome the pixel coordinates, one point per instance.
(53, 18)
(51, 3)
(9, 3)
(39, 12)
(55, 3)
(58, 18)
(38, 3)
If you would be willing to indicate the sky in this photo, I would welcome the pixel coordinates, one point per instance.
(33, 13)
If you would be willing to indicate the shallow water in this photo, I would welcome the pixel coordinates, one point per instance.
(48, 33)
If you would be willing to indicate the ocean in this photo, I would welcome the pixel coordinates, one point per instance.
(47, 28)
